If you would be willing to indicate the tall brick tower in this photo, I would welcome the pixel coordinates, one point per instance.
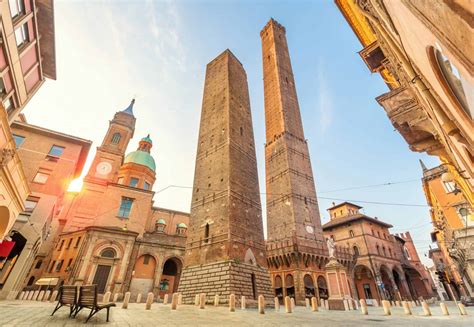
(225, 250)
(296, 248)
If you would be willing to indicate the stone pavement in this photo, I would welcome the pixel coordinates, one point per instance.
(31, 313)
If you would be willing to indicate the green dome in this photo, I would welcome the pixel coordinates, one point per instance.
(182, 225)
(161, 222)
(141, 158)
(147, 139)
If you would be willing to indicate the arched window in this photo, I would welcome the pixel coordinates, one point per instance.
(356, 250)
(390, 251)
(108, 253)
(384, 253)
(351, 233)
(38, 264)
(116, 138)
(31, 280)
(378, 249)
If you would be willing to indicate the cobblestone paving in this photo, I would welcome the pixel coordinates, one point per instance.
(30, 313)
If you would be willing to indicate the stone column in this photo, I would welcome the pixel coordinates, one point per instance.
(405, 287)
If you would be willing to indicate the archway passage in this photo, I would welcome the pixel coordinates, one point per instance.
(309, 290)
(144, 275)
(415, 284)
(170, 276)
(278, 288)
(322, 288)
(386, 286)
(290, 286)
(365, 284)
(401, 289)
(8, 262)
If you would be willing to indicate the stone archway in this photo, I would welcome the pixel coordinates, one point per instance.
(309, 290)
(415, 284)
(143, 275)
(399, 281)
(386, 286)
(278, 286)
(365, 284)
(170, 276)
(290, 285)
(322, 288)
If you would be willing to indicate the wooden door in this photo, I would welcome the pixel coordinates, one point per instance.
(101, 277)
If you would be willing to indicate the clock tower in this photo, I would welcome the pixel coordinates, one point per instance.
(110, 154)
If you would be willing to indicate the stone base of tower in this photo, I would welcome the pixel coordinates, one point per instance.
(225, 278)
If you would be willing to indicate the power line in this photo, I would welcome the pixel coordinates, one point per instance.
(371, 185)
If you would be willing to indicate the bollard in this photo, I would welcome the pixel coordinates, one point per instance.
(413, 304)
(307, 303)
(314, 304)
(375, 303)
(22, 294)
(392, 304)
(202, 301)
(196, 300)
(386, 307)
(35, 295)
(30, 296)
(426, 308)
(174, 301)
(462, 309)
(106, 297)
(116, 297)
(54, 296)
(126, 299)
(165, 299)
(261, 304)
(216, 300)
(139, 298)
(288, 306)
(243, 305)
(356, 303)
(363, 307)
(40, 296)
(158, 298)
(406, 307)
(180, 299)
(277, 304)
(351, 304)
(232, 303)
(346, 305)
(46, 295)
(293, 305)
(149, 300)
(444, 308)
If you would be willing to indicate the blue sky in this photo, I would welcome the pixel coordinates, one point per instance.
(108, 52)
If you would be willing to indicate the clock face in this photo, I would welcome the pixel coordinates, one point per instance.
(310, 229)
(104, 168)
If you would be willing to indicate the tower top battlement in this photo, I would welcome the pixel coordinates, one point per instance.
(272, 23)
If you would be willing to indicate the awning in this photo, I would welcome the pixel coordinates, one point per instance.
(5, 248)
(52, 281)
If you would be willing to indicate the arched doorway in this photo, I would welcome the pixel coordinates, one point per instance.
(386, 285)
(103, 269)
(322, 288)
(365, 284)
(308, 286)
(170, 276)
(143, 275)
(398, 282)
(415, 284)
(278, 288)
(290, 286)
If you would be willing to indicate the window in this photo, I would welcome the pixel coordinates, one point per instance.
(59, 265)
(2, 88)
(351, 233)
(21, 35)
(31, 280)
(31, 203)
(390, 252)
(458, 85)
(69, 264)
(116, 138)
(56, 151)
(61, 245)
(384, 252)
(206, 233)
(108, 253)
(125, 207)
(356, 250)
(133, 182)
(146, 186)
(38, 264)
(69, 244)
(40, 178)
(52, 266)
(120, 180)
(378, 234)
(77, 242)
(17, 7)
(367, 292)
(241, 131)
(146, 259)
(18, 140)
(373, 233)
(8, 104)
(449, 187)
(378, 250)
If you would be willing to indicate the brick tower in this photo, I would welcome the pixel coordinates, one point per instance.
(296, 248)
(225, 250)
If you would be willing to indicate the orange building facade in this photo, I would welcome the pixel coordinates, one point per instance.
(112, 235)
(385, 266)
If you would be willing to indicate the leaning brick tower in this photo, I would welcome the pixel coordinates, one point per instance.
(296, 249)
(225, 249)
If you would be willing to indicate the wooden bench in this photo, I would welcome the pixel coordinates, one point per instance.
(88, 299)
(67, 297)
